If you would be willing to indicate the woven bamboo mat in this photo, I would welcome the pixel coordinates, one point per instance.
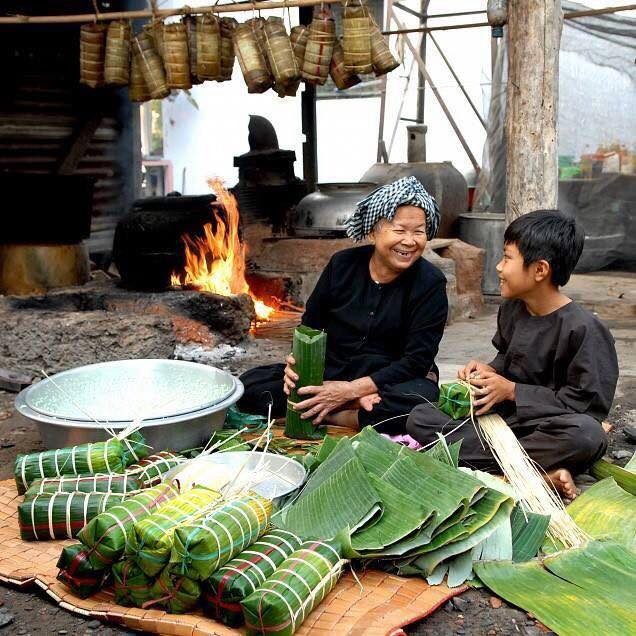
(381, 604)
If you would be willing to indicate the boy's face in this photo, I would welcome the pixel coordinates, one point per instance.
(515, 280)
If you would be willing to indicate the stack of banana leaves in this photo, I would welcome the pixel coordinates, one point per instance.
(411, 512)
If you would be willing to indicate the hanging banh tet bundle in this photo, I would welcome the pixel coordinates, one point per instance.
(258, 27)
(253, 65)
(208, 47)
(61, 515)
(341, 77)
(202, 548)
(356, 37)
(227, 49)
(150, 470)
(281, 604)
(319, 48)
(190, 23)
(280, 56)
(131, 586)
(92, 49)
(240, 577)
(150, 543)
(298, 37)
(151, 66)
(108, 482)
(154, 29)
(117, 58)
(137, 89)
(174, 593)
(383, 60)
(105, 537)
(454, 399)
(176, 59)
(308, 350)
(85, 459)
(76, 571)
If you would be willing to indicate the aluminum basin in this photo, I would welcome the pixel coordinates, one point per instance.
(180, 403)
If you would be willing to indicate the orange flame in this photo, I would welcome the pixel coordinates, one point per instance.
(216, 261)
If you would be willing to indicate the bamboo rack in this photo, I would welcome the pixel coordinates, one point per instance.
(236, 7)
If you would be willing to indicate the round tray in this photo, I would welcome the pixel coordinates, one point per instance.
(129, 390)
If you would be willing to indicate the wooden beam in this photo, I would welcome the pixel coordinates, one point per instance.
(442, 104)
(461, 86)
(78, 144)
(534, 35)
(381, 154)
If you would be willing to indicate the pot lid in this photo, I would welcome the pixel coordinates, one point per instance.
(126, 390)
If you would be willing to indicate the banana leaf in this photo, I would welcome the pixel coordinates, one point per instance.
(202, 548)
(281, 604)
(338, 495)
(604, 511)
(454, 400)
(401, 517)
(106, 536)
(112, 482)
(308, 349)
(150, 470)
(76, 571)
(587, 590)
(175, 593)
(131, 586)
(445, 453)
(86, 459)
(460, 569)
(630, 466)
(528, 533)
(61, 515)
(624, 478)
(150, 542)
(240, 577)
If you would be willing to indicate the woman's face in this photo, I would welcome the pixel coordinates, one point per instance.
(400, 242)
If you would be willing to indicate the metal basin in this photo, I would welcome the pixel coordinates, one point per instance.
(180, 403)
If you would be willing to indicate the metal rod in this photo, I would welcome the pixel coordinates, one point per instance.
(449, 27)
(421, 83)
(442, 104)
(461, 86)
(571, 15)
(382, 153)
(423, 15)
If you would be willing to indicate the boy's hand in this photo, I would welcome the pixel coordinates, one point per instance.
(474, 366)
(492, 389)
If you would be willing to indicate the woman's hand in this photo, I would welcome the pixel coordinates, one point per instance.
(494, 389)
(367, 402)
(291, 377)
(325, 399)
(474, 367)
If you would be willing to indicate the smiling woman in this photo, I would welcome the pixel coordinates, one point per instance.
(384, 309)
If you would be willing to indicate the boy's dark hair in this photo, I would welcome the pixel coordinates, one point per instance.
(551, 236)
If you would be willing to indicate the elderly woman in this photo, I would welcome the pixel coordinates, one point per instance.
(384, 309)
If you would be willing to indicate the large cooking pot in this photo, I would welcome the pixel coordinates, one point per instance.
(324, 212)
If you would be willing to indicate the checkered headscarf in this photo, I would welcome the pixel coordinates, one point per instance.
(384, 202)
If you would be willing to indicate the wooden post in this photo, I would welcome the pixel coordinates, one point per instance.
(534, 36)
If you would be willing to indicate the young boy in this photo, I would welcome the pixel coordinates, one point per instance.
(554, 376)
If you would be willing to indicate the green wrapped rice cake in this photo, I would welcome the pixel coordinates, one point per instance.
(77, 572)
(300, 583)
(135, 448)
(454, 400)
(175, 593)
(111, 456)
(105, 537)
(112, 482)
(200, 549)
(150, 542)
(61, 515)
(240, 577)
(150, 471)
(131, 586)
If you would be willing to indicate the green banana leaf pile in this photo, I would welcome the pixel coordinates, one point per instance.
(201, 548)
(111, 456)
(407, 510)
(240, 577)
(287, 597)
(61, 515)
(107, 482)
(150, 543)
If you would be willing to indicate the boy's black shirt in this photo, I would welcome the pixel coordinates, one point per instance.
(564, 362)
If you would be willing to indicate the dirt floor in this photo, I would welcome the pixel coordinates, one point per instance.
(476, 612)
